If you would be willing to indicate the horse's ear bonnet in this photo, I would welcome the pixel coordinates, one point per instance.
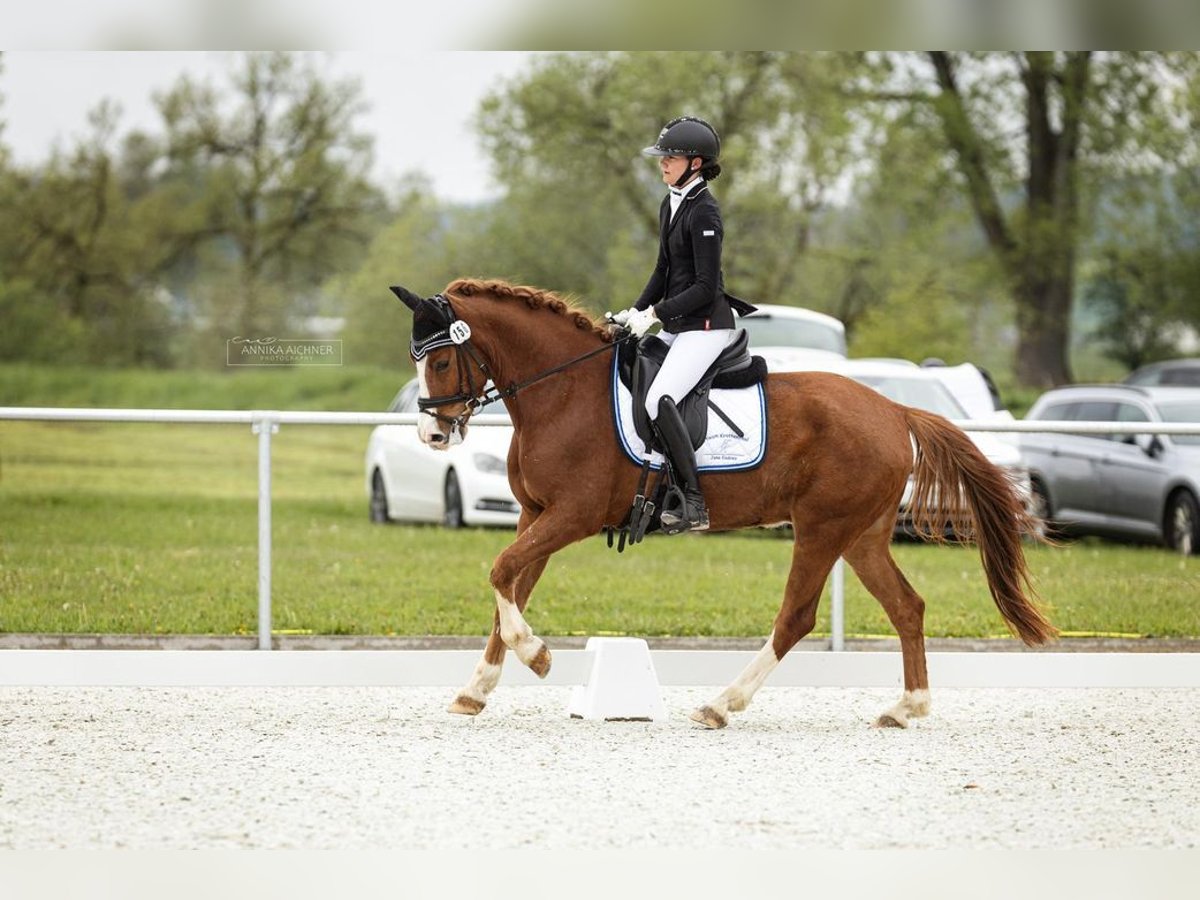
(431, 319)
(407, 297)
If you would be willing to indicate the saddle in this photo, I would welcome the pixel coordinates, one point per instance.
(734, 368)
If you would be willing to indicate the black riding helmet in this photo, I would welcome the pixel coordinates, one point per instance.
(687, 136)
(691, 137)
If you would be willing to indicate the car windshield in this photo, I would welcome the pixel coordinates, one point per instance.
(767, 330)
(1182, 377)
(930, 396)
(1181, 412)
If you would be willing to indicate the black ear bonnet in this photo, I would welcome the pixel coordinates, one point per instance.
(432, 318)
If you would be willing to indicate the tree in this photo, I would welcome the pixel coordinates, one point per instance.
(414, 250)
(1078, 114)
(276, 183)
(3, 148)
(903, 263)
(81, 258)
(1141, 274)
(1143, 284)
(583, 204)
(1134, 328)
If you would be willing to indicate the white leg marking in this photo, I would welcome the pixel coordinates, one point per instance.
(917, 702)
(483, 681)
(738, 695)
(912, 703)
(515, 631)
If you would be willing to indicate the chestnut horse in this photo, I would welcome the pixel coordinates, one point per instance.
(839, 458)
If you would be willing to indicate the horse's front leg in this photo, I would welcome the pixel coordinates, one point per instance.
(553, 529)
(516, 571)
(474, 696)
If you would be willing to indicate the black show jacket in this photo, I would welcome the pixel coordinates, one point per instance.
(686, 288)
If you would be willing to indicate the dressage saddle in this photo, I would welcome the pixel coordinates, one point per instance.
(734, 368)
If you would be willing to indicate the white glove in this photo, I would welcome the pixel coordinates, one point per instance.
(623, 316)
(641, 321)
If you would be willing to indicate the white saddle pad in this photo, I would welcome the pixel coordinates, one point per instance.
(722, 450)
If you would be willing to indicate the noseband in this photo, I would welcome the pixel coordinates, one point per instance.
(457, 334)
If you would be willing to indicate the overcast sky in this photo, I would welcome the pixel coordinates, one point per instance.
(421, 103)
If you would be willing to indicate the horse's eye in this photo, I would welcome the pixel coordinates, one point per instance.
(441, 365)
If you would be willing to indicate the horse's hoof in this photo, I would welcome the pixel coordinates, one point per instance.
(709, 717)
(887, 720)
(466, 706)
(540, 664)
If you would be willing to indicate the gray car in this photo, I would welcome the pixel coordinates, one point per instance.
(1168, 373)
(1143, 487)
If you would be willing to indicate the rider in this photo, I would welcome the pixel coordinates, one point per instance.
(686, 294)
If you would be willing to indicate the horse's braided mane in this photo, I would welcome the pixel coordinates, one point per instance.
(534, 298)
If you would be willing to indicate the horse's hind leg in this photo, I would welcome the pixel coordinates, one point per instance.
(474, 696)
(796, 618)
(871, 559)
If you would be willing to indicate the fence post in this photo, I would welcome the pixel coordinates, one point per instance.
(837, 607)
(264, 426)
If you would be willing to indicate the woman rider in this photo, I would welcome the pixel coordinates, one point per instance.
(686, 294)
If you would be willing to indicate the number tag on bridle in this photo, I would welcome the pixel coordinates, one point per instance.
(460, 331)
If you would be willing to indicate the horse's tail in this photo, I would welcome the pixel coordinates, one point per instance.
(954, 484)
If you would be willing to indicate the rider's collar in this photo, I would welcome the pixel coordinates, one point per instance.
(687, 188)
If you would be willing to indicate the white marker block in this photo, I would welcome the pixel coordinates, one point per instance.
(621, 685)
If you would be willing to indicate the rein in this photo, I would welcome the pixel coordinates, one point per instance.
(458, 334)
(511, 391)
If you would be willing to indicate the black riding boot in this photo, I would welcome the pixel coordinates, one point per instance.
(683, 508)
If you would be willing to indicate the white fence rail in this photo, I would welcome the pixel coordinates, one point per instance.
(265, 423)
(449, 668)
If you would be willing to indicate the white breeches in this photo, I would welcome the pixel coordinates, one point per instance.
(691, 353)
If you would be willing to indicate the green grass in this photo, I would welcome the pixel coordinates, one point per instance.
(152, 529)
(300, 387)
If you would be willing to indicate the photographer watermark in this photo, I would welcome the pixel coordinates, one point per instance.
(270, 351)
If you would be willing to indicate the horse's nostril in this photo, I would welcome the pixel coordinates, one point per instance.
(437, 438)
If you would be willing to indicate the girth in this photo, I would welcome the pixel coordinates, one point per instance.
(639, 364)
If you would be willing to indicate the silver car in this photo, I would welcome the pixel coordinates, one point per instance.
(1143, 487)
(1170, 372)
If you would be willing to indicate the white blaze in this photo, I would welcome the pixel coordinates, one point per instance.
(427, 426)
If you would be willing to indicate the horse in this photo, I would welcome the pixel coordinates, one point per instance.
(839, 459)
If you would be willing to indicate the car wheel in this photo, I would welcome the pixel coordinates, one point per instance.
(379, 503)
(1040, 503)
(1183, 523)
(453, 517)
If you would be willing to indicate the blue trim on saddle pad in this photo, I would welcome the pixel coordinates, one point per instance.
(623, 439)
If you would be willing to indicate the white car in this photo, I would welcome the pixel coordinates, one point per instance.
(792, 339)
(973, 388)
(466, 484)
(925, 389)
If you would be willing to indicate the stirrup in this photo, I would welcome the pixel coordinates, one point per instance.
(683, 511)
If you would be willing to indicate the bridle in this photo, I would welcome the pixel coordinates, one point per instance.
(457, 334)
